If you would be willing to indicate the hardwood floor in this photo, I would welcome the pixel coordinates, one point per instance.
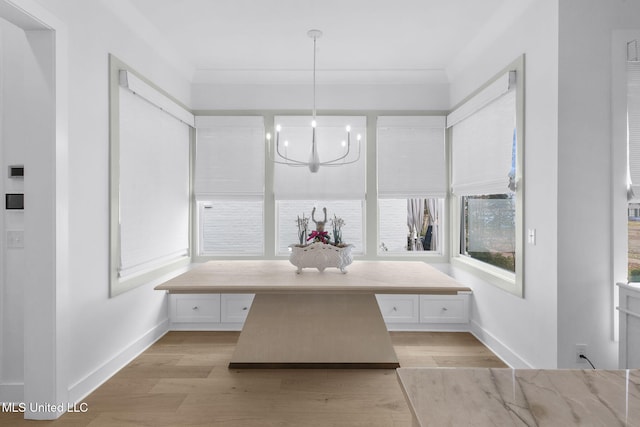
(183, 380)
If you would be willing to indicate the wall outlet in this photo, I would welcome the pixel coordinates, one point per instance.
(581, 349)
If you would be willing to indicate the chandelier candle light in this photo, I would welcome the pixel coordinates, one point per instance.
(314, 162)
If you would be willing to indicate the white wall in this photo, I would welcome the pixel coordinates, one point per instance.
(330, 97)
(104, 332)
(523, 331)
(565, 284)
(585, 276)
(13, 43)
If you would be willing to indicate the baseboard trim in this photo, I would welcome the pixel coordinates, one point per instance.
(501, 350)
(95, 379)
(428, 327)
(299, 365)
(395, 327)
(11, 392)
(195, 326)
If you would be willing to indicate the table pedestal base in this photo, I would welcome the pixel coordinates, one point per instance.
(314, 331)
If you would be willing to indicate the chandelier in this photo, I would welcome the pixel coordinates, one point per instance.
(314, 162)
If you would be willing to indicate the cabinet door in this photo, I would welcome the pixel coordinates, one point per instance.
(444, 309)
(399, 308)
(195, 308)
(235, 307)
(629, 343)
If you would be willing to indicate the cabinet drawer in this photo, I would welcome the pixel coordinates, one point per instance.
(195, 308)
(444, 308)
(399, 308)
(235, 307)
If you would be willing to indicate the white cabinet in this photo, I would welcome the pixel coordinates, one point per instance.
(399, 308)
(629, 344)
(235, 307)
(194, 308)
(444, 309)
(425, 312)
(403, 312)
(208, 311)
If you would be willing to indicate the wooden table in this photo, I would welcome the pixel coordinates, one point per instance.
(314, 319)
(521, 397)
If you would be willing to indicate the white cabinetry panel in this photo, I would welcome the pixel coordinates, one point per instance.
(235, 307)
(195, 308)
(400, 311)
(629, 343)
(444, 309)
(399, 308)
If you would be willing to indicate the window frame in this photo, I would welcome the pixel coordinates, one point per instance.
(503, 279)
(442, 232)
(118, 285)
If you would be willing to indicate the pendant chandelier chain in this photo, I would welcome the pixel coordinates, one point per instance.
(314, 77)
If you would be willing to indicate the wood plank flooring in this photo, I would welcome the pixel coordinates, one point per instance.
(183, 380)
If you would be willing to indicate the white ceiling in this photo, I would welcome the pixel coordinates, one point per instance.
(365, 41)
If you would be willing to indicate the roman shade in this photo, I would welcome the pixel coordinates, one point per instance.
(154, 186)
(229, 157)
(330, 182)
(483, 140)
(138, 86)
(411, 157)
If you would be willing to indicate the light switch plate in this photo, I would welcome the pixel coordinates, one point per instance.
(531, 236)
(15, 239)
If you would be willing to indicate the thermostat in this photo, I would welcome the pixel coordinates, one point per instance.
(16, 171)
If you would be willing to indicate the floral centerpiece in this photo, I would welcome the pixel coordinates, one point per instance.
(316, 249)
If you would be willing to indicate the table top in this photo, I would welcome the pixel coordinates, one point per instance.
(527, 397)
(391, 277)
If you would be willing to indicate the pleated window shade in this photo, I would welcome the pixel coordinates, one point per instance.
(411, 157)
(483, 144)
(329, 183)
(229, 157)
(633, 130)
(154, 186)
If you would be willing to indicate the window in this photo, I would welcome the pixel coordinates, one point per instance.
(486, 152)
(340, 189)
(489, 229)
(633, 148)
(411, 183)
(409, 225)
(633, 234)
(351, 211)
(150, 182)
(229, 185)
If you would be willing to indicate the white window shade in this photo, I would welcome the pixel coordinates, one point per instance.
(229, 157)
(330, 182)
(482, 148)
(154, 186)
(138, 86)
(633, 123)
(493, 91)
(411, 157)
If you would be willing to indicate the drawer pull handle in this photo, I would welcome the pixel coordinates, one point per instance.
(444, 308)
(244, 308)
(395, 309)
(195, 307)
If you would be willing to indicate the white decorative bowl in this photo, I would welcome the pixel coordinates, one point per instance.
(321, 255)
